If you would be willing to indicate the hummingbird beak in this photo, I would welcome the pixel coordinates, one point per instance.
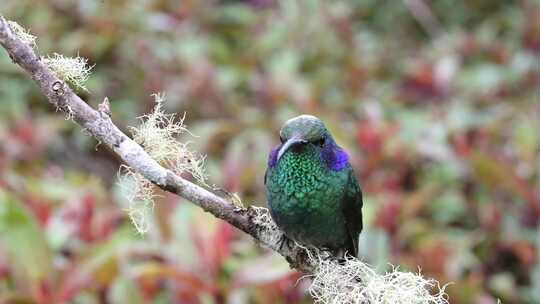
(293, 141)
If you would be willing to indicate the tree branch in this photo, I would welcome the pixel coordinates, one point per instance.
(253, 221)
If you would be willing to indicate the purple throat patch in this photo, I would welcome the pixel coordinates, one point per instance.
(272, 158)
(335, 157)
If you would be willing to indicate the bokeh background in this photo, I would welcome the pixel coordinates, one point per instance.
(436, 101)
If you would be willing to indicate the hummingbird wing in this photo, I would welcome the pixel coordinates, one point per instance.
(352, 210)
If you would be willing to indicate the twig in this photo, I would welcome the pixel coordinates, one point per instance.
(254, 221)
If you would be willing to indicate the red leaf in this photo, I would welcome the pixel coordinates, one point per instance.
(421, 84)
(369, 137)
(388, 214)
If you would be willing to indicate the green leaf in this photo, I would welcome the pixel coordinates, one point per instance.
(25, 244)
(125, 291)
(374, 247)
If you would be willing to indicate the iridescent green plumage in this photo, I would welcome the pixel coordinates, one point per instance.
(312, 191)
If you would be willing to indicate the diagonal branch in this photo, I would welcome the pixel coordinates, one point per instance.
(253, 221)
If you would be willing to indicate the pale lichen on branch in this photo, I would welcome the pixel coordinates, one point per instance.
(354, 281)
(22, 33)
(159, 134)
(74, 70)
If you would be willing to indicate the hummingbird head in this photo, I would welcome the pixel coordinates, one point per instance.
(303, 130)
(307, 132)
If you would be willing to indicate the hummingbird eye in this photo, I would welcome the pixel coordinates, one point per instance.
(320, 142)
(281, 139)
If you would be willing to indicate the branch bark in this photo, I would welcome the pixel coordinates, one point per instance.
(253, 221)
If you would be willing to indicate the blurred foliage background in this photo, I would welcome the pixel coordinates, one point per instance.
(436, 102)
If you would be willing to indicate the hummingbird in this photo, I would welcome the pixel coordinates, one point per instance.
(312, 191)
